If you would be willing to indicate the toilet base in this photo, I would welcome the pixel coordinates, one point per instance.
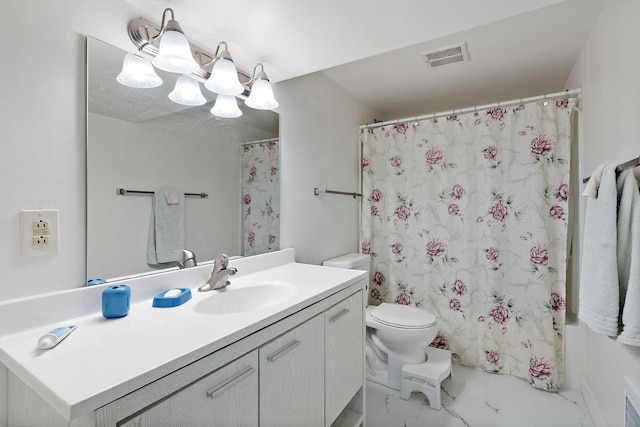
(379, 377)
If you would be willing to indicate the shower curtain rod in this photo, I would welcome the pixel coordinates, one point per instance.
(568, 93)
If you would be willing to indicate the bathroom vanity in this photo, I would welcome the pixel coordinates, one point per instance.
(291, 355)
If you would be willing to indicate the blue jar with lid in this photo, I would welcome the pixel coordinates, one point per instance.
(115, 301)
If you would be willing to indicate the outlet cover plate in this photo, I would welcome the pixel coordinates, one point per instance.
(31, 243)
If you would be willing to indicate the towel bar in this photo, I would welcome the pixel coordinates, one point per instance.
(621, 167)
(123, 192)
(317, 191)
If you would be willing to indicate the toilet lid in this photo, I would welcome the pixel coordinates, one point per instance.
(403, 316)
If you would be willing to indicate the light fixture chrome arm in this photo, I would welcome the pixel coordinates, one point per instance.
(163, 26)
(218, 55)
(261, 75)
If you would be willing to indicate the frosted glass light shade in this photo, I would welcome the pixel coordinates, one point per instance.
(174, 54)
(261, 96)
(224, 78)
(187, 92)
(226, 106)
(137, 72)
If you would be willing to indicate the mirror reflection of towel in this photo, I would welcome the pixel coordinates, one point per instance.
(166, 227)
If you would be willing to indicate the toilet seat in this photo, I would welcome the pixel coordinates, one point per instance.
(403, 316)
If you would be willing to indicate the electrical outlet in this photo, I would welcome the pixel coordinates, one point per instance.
(40, 240)
(39, 231)
(40, 226)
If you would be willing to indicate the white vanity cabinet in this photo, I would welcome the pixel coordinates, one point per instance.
(292, 377)
(227, 397)
(304, 368)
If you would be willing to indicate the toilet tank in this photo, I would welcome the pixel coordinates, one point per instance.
(353, 261)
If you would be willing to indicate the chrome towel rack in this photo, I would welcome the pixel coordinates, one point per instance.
(317, 191)
(123, 192)
(621, 167)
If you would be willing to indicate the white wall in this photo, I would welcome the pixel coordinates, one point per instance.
(42, 120)
(320, 148)
(607, 72)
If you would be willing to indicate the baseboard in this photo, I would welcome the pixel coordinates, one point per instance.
(591, 403)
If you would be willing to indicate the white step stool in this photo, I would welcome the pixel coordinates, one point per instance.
(426, 377)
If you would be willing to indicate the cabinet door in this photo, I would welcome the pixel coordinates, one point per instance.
(226, 397)
(292, 377)
(344, 354)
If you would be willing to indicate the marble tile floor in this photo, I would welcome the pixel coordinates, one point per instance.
(474, 398)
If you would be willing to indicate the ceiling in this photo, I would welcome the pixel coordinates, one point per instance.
(518, 48)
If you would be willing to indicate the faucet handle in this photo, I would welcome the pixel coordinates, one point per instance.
(187, 259)
(222, 261)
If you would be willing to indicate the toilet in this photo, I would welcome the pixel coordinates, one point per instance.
(397, 343)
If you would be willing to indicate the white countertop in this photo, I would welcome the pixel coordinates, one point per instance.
(104, 359)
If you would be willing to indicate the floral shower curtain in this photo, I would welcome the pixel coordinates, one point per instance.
(466, 216)
(261, 197)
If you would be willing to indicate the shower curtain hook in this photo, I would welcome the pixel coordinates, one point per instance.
(475, 111)
(546, 101)
(434, 118)
(415, 121)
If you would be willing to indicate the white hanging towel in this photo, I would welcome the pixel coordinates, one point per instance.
(591, 189)
(599, 295)
(166, 227)
(629, 256)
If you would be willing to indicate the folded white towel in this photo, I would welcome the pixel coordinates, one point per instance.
(591, 190)
(629, 257)
(172, 197)
(599, 295)
(166, 228)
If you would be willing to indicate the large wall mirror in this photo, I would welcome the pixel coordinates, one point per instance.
(138, 139)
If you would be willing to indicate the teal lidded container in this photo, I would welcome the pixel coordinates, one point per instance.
(116, 300)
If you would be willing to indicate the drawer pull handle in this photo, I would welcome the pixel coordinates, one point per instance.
(230, 382)
(284, 350)
(340, 314)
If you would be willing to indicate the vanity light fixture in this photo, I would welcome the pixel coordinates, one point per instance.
(166, 43)
(187, 92)
(226, 107)
(224, 75)
(138, 72)
(174, 52)
(261, 96)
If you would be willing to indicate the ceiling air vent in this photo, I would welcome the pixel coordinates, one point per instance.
(446, 55)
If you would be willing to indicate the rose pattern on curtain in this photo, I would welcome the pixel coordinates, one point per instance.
(261, 197)
(466, 216)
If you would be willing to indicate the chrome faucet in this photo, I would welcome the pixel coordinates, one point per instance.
(187, 259)
(219, 275)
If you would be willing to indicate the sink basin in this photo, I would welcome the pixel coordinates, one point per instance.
(245, 298)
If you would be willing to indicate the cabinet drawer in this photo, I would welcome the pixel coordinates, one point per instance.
(226, 397)
(292, 377)
(344, 353)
